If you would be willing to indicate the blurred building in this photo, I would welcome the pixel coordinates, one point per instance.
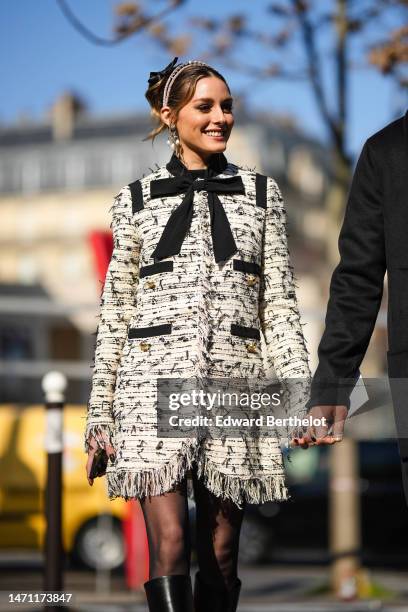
(57, 183)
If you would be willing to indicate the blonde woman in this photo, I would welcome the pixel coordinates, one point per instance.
(200, 268)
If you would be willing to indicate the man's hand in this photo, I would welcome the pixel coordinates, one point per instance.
(329, 432)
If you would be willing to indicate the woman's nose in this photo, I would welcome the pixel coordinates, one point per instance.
(217, 115)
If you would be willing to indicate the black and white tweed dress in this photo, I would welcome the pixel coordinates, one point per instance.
(188, 315)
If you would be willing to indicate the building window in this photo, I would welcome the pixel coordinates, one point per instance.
(15, 343)
(64, 342)
(51, 173)
(11, 178)
(74, 171)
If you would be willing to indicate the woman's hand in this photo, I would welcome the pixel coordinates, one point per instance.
(93, 447)
(329, 432)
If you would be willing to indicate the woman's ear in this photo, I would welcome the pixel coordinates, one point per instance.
(165, 115)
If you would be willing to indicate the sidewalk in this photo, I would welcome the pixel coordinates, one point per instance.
(269, 588)
(284, 589)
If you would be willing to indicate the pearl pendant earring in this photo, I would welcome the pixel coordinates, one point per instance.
(173, 139)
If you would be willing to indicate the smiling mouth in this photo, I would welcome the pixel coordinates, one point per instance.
(216, 133)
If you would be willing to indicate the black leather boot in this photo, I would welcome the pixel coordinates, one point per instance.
(212, 598)
(233, 596)
(170, 593)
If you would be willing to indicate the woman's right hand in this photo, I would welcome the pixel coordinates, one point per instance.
(93, 447)
(331, 429)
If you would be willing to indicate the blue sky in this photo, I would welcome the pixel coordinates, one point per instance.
(43, 55)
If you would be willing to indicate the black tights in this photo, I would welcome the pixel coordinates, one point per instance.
(218, 525)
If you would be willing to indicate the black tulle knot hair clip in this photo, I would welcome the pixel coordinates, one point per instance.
(156, 76)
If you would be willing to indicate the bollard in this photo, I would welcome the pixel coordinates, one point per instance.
(53, 385)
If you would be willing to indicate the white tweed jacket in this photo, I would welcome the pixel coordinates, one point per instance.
(188, 315)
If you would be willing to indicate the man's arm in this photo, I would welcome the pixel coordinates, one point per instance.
(356, 287)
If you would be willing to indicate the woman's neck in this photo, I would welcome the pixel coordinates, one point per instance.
(193, 161)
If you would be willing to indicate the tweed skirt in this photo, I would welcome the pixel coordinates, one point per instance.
(243, 469)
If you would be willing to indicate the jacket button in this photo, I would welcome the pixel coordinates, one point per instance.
(252, 280)
(144, 346)
(150, 284)
(251, 348)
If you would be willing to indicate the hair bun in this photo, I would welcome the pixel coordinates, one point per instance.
(157, 76)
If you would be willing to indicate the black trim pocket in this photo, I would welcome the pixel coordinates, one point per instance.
(151, 330)
(261, 190)
(137, 196)
(155, 268)
(245, 332)
(246, 266)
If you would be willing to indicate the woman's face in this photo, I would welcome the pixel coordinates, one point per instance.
(204, 124)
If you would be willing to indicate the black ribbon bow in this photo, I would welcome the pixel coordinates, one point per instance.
(156, 76)
(179, 221)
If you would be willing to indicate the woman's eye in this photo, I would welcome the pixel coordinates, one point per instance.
(227, 108)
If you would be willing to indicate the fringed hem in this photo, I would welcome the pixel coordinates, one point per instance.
(254, 490)
(139, 485)
(100, 432)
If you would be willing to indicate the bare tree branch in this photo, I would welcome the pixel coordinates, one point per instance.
(263, 73)
(235, 27)
(313, 61)
(83, 30)
(342, 25)
(133, 21)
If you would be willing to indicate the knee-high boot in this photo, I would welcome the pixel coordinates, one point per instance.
(170, 593)
(212, 598)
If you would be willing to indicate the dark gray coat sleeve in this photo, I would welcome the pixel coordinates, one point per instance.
(356, 287)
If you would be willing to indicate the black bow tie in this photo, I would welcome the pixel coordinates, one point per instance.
(179, 221)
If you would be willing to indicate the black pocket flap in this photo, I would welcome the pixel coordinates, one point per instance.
(155, 268)
(151, 330)
(245, 332)
(246, 266)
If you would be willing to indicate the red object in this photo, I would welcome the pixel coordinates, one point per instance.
(102, 246)
(133, 525)
(136, 546)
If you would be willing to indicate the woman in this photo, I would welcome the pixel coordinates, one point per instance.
(200, 265)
